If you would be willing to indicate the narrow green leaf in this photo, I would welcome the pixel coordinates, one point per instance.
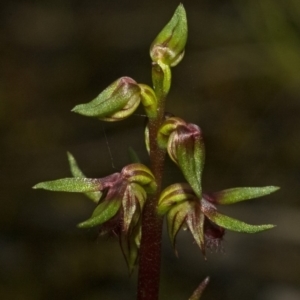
(76, 172)
(235, 225)
(199, 290)
(77, 185)
(134, 158)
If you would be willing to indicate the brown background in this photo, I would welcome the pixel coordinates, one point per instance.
(239, 80)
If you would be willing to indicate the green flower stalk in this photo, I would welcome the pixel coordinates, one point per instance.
(132, 203)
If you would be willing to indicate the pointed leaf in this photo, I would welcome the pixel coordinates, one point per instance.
(235, 225)
(76, 172)
(199, 290)
(77, 185)
(234, 195)
(134, 158)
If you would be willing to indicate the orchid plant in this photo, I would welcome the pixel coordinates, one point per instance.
(132, 203)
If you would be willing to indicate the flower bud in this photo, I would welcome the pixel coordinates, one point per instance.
(185, 147)
(117, 102)
(168, 46)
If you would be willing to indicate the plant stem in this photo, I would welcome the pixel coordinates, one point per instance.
(150, 250)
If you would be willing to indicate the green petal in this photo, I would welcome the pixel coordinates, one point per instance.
(235, 225)
(172, 195)
(195, 222)
(130, 204)
(103, 212)
(76, 172)
(168, 126)
(234, 195)
(77, 185)
(130, 244)
(175, 219)
(140, 174)
(191, 157)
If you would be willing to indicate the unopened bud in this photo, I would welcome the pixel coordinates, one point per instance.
(168, 46)
(117, 102)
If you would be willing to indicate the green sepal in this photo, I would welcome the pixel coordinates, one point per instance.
(190, 158)
(132, 203)
(77, 185)
(76, 172)
(118, 101)
(234, 195)
(175, 219)
(102, 213)
(130, 243)
(233, 224)
(172, 195)
(195, 223)
(168, 46)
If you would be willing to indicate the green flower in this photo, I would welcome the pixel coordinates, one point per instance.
(183, 208)
(119, 209)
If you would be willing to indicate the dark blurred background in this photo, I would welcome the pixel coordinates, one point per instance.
(239, 80)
